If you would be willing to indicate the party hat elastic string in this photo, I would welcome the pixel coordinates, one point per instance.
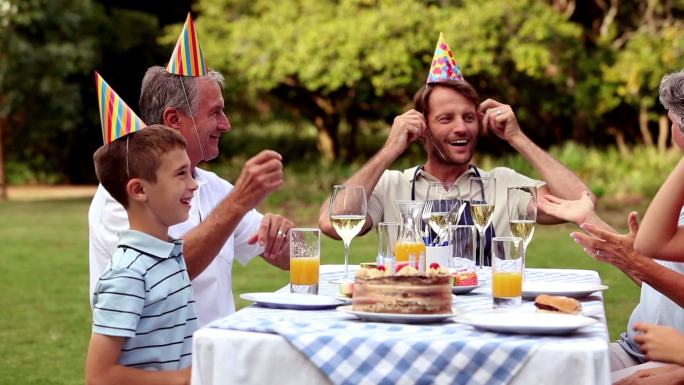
(128, 173)
(199, 142)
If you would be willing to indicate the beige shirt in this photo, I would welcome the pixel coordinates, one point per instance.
(396, 185)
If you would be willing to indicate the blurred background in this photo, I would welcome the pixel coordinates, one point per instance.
(320, 82)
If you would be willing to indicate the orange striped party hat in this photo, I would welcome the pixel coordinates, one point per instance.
(117, 119)
(187, 58)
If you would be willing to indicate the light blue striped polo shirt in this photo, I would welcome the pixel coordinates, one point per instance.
(145, 296)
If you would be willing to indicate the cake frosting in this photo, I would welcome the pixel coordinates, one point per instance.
(405, 292)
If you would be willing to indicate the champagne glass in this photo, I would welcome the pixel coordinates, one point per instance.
(347, 211)
(445, 208)
(482, 201)
(522, 213)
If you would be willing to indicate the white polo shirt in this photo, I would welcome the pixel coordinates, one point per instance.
(213, 288)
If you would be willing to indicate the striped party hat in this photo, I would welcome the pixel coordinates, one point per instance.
(444, 66)
(116, 117)
(187, 58)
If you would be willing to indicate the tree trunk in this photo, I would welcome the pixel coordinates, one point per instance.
(327, 141)
(3, 178)
(620, 141)
(663, 133)
(643, 124)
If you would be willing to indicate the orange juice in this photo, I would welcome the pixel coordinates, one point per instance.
(506, 284)
(403, 249)
(304, 271)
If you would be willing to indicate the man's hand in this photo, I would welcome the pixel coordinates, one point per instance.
(272, 235)
(406, 129)
(499, 118)
(575, 211)
(660, 343)
(260, 176)
(609, 247)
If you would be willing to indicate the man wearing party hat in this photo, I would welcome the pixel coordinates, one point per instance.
(223, 223)
(446, 116)
(147, 171)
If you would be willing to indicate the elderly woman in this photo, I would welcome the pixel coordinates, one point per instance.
(662, 282)
(661, 237)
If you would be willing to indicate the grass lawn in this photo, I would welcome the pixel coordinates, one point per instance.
(45, 321)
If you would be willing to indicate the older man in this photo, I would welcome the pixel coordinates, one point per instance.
(223, 223)
(446, 116)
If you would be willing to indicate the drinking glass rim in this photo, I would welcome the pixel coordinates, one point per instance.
(506, 239)
(349, 186)
(462, 226)
(303, 229)
(520, 187)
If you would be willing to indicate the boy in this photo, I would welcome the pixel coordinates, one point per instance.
(143, 307)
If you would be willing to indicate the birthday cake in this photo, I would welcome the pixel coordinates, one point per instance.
(405, 292)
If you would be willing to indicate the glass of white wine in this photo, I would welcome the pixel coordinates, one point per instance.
(348, 206)
(522, 213)
(445, 206)
(482, 202)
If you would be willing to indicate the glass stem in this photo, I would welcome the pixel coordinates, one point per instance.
(346, 260)
(482, 247)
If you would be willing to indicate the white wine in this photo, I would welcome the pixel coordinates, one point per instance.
(439, 222)
(482, 214)
(523, 229)
(347, 226)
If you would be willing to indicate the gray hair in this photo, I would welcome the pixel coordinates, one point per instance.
(161, 90)
(672, 94)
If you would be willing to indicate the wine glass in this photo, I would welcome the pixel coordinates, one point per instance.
(522, 213)
(482, 201)
(443, 208)
(347, 211)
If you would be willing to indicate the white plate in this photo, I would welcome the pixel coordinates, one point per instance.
(569, 289)
(396, 318)
(526, 323)
(463, 289)
(293, 300)
(343, 298)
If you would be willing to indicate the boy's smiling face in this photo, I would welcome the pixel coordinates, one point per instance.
(169, 197)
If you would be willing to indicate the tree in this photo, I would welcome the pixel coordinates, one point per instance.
(44, 47)
(334, 62)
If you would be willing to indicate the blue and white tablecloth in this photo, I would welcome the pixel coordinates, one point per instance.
(350, 351)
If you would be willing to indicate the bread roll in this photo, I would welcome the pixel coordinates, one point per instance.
(553, 303)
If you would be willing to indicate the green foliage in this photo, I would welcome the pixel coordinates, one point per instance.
(612, 176)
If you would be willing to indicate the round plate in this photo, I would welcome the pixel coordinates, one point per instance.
(526, 323)
(569, 289)
(463, 289)
(293, 300)
(396, 318)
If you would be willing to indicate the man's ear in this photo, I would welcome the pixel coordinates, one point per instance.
(135, 188)
(172, 118)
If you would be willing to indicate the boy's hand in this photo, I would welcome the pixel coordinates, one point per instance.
(260, 176)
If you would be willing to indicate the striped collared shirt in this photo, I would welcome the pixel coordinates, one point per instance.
(146, 297)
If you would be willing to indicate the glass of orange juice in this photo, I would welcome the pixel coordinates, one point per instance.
(305, 260)
(507, 271)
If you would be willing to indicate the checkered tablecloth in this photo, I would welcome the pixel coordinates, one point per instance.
(350, 351)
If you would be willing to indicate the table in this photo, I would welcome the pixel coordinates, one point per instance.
(223, 356)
